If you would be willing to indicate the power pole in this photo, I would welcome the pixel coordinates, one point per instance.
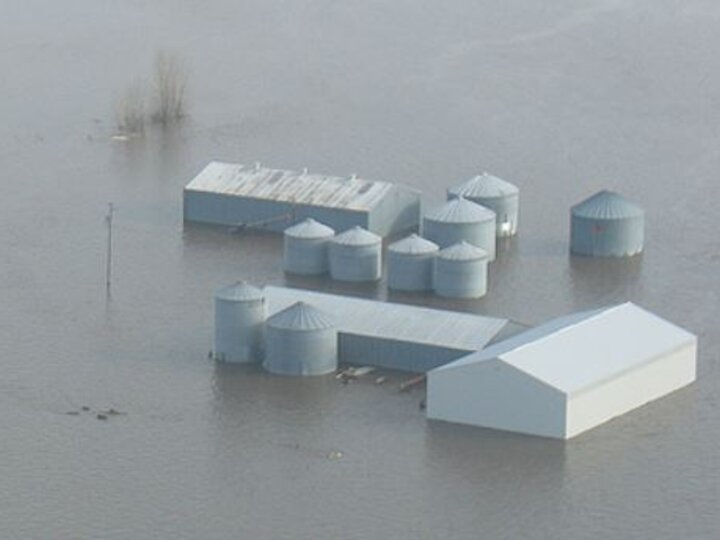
(108, 262)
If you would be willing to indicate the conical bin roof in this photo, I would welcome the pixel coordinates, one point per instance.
(240, 291)
(309, 228)
(463, 251)
(606, 205)
(413, 245)
(484, 186)
(357, 236)
(300, 316)
(461, 210)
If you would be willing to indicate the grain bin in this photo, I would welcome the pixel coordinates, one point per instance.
(494, 193)
(356, 255)
(460, 219)
(461, 271)
(606, 225)
(410, 264)
(240, 312)
(305, 248)
(301, 340)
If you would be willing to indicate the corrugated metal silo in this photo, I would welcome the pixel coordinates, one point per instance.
(240, 312)
(410, 264)
(461, 271)
(305, 248)
(494, 193)
(301, 340)
(607, 225)
(460, 219)
(356, 255)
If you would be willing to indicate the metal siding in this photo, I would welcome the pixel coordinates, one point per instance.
(607, 237)
(506, 210)
(444, 234)
(398, 212)
(304, 352)
(394, 354)
(355, 263)
(460, 279)
(239, 330)
(410, 272)
(305, 256)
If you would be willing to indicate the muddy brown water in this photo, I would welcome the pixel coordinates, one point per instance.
(563, 99)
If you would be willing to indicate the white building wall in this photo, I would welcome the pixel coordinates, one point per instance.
(660, 376)
(495, 395)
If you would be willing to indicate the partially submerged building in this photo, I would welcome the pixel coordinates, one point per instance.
(494, 193)
(274, 199)
(567, 376)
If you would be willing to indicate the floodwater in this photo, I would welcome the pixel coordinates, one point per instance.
(562, 98)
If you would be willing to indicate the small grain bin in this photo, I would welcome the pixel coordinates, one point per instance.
(606, 225)
(410, 264)
(461, 271)
(460, 219)
(240, 312)
(494, 193)
(305, 248)
(356, 255)
(301, 340)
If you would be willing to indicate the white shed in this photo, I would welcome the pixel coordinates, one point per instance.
(566, 376)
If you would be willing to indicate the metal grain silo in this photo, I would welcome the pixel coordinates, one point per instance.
(494, 193)
(305, 248)
(356, 255)
(606, 225)
(461, 271)
(240, 312)
(410, 264)
(300, 340)
(460, 219)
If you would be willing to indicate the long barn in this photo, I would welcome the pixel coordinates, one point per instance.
(274, 199)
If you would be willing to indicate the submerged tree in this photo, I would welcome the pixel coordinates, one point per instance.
(170, 84)
(130, 113)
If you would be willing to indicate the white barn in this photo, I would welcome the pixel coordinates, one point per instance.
(567, 376)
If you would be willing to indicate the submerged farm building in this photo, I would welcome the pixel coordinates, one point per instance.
(273, 199)
(567, 376)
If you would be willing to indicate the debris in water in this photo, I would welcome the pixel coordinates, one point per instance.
(422, 404)
(381, 379)
(85, 408)
(406, 385)
(335, 454)
(112, 412)
(120, 137)
(101, 416)
(72, 413)
(364, 370)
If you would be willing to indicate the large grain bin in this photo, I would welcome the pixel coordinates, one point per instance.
(240, 312)
(494, 193)
(460, 219)
(301, 340)
(305, 248)
(461, 271)
(356, 255)
(410, 264)
(606, 225)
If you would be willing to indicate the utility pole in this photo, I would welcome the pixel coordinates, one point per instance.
(108, 262)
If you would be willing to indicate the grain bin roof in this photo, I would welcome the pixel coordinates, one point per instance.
(239, 292)
(463, 251)
(484, 186)
(576, 352)
(461, 210)
(357, 236)
(413, 245)
(397, 322)
(309, 228)
(300, 316)
(606, 205)
(256, 182)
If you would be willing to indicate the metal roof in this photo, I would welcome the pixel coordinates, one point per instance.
(391, 321)
(463, 251)
(357, 236)
(582, 350)
(484, 186)
(461, 210)
(300, 316)
(606, 205)
(240, 291)
(258, 182)
(413, 245)
(309, 228)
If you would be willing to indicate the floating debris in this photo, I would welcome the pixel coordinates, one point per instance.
(335, 454)
(72, 413)
(112, 412)
(408, 384)
(101, 416)
(120, 137)
(381, 379)
(85, 408)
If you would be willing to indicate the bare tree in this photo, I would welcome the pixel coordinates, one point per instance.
(130, 113)
(170, 83)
